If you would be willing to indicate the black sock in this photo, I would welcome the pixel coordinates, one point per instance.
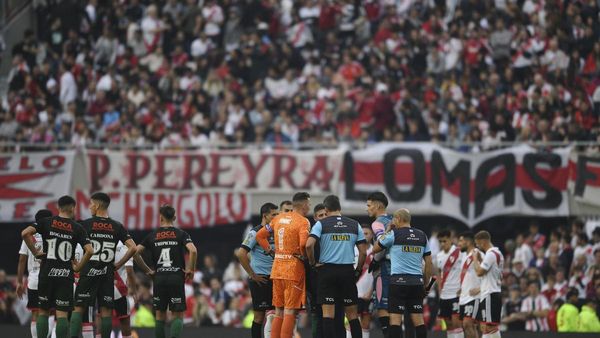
(421, 331)
(256, 330)
(355, 328)
(396, 331)
(328, 327)
(385, 323)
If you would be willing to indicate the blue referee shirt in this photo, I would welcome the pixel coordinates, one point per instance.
(260, 262)
(337, 236)
(407, 247)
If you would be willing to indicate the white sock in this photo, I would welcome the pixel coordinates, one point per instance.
(87, 330)
(494, 335)
(348, 334)
(459, 333)
(268, 323)
(366, 333)
(33, 329)
(52, 326)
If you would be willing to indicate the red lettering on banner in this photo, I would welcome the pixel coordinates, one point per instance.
(22, 210)
(207, 210)
(185, 216)
(161, 172)
(136, 174)
(149, 215)
(4, 162)
(24, 163)
(83, 202)
(237, 214)
(216, 171)
(131, 210)
(189, 174)
(280, 173)
(252, 170)
(319, 175)
(99, 168)
(165, 199)
(54, 162)
(219, 219)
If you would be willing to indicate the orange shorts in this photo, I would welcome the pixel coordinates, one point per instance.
(289, 294)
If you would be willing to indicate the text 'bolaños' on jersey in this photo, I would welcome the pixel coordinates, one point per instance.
(104, 234)
(493, 263)
(167, 247)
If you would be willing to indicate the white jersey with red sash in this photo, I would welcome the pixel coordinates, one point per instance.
(450, 264)
(468, 278)
(121, 274)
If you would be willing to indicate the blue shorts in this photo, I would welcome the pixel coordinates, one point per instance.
(381, 285)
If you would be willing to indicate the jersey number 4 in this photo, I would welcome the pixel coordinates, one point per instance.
(104, 252)
(165, 258)
(65, 250)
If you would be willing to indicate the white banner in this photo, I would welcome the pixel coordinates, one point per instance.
(584, 178)
(33, 181)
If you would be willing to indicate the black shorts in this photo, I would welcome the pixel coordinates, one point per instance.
(337, 281)
(262, 295)
(169, 292)
(365, 306)
(406, 298)
(122, 309)
(490, 309)
(469, 310)
(449, 308)
(55, 293)
(97, 288)
(33, 302)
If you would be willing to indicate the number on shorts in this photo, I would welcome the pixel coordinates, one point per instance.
(65, 250)
(165, 258)
(455, 307)
(469, 309)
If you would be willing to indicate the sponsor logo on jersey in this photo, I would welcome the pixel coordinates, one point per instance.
(44, 298)
(56, 272)
(329, 299)
(165, 235)
(97, 272)
(167, 269)
(84, 295)
(57, 224)
(412, 249)
(340, 237)
(102, 226)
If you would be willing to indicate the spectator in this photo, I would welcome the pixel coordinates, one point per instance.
(567, 316)
(513, 319)
(535, 308)
(588, 319)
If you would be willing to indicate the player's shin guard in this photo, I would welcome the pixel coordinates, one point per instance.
(366, 333)
(287, 327)
(256, 330)
(51, 327)
(41, 326)
(355, 328)
(276, 327)
(159, 329)
(87, 330)
(396, 331)
(76, 320)
(33, 329)
(385, 323)
(62, 328)
(328, 327)
(421, 331)
(176, 327)
(105, 327)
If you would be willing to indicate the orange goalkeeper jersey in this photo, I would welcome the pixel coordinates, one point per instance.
(290, 231)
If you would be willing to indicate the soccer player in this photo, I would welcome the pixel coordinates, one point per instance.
(380, 266)
(337, 236)
(124, 283)
(469, 286)
(490, 298)
(364, 285)
(316, 311)
(27, 259)
(167, 246)
(60, 235)
(96, 280)
(286, 206)
(259, 269)
(290, 230)
(408, 247)
(449, 264)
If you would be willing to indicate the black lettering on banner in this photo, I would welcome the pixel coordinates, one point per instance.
(483, 193)
(553, 196)
(417, 191)
(351, 193)
(462, 172)
(583, 175)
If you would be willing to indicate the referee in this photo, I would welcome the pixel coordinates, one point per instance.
(337, 236)
(408, 248)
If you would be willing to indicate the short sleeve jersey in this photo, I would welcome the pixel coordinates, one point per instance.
(33, 264)
(167, 246)
(407, 247)
(105, 234)
(337, 235)
(60, 237)
(493, 263)
(290, 231)
(260, 262)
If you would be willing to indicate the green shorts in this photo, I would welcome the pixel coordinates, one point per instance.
(96, 288)
(55, 293)
(169, 292)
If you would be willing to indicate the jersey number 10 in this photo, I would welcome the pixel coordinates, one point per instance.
(65, 250)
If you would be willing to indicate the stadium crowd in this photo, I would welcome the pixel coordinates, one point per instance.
(190, 73)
